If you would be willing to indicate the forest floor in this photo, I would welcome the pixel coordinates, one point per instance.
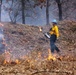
(27, 50)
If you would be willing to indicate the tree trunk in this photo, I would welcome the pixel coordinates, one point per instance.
(23, 11)
(0, 9)
(47, 12)
(60, 9)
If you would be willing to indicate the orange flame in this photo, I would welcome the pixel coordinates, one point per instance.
(50, 56)
(17, 61)
(7, 57)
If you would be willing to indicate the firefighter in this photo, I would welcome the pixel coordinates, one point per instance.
(54, 32)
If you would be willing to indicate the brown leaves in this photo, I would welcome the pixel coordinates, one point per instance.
(30, 45)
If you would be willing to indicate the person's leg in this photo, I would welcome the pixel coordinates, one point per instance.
(52, 44)
(56, 48)
(52, 47)
(52, 41)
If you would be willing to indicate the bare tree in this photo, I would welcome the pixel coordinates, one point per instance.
(13, 9)
(18, 10)
(23, 11)
(69, 9)
(47, 12)
(43, 3)
(0, 9)
(59, 8)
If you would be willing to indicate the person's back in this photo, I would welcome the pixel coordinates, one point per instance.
(54, 30)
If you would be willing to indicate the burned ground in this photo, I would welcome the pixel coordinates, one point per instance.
(30, 46)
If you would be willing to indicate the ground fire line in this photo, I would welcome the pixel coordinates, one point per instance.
(8, 55)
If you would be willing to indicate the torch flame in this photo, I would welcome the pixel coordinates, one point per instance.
(40, 29)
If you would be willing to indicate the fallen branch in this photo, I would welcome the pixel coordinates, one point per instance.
(53, 71)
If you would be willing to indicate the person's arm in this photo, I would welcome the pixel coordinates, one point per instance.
(57, 31)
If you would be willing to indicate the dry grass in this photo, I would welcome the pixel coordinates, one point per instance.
(30, 47)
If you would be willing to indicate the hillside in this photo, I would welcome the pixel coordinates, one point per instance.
(28, 46)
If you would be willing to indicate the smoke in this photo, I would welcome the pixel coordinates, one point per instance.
(1, 33)
(2, 46)
(1, 36)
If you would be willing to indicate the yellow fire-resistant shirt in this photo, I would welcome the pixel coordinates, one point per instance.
(55, 31)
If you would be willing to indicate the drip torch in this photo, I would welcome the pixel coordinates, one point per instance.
(46, 34)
